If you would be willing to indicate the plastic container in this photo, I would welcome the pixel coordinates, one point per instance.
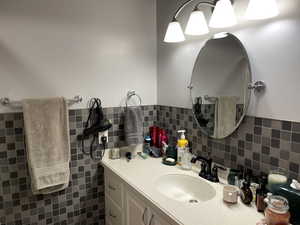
(154, 133)
(181, 146)
(147, 147)
(186, 159)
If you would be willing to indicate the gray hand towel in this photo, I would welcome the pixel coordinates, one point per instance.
(133, 125)
(47, 143)
(226, 115)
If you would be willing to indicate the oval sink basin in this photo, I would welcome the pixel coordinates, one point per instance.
(184, 188)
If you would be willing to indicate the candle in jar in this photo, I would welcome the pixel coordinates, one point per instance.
(277, 179)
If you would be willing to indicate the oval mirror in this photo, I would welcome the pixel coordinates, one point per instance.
(219, 86)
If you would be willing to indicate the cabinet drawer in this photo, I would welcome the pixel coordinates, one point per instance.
(113, 213)
(114, 189)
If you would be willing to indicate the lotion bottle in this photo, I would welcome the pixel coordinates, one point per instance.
(181, 146)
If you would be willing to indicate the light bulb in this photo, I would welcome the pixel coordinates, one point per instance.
(262, 9)
(223, 15)
(174, 32)
(197, 24)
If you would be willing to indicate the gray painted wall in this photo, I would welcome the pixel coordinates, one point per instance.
(97, 48)
(272, 46)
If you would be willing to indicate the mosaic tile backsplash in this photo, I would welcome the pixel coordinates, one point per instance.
(259, 143)
(82, 203)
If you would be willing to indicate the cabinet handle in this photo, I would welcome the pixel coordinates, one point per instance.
(112, 215)
(145, 210)
(151, 219)
(111, 187)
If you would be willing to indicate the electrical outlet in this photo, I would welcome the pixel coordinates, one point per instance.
(103, 134)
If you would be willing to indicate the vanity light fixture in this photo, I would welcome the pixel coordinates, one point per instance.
(174, 32)
(197, 24)
(222, 16)
(262, 9)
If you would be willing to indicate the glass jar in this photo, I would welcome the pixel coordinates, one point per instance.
(233, 173)
(276, 178)
(277, 212)
(186, 160)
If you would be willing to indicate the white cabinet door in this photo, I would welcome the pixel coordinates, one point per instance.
(114, 188)
(156, 220)
(114, 215)
(136, 211)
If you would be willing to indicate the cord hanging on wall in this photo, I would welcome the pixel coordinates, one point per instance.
(95, 124)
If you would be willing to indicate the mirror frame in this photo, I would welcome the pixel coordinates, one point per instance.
(248, 97)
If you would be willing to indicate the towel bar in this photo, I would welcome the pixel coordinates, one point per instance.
(7, 102)
(131, 94)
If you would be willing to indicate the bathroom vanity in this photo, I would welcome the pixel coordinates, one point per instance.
(146, 192)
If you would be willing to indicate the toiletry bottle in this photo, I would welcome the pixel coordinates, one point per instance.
(246, 193)
(261, 194)
(254, 187)
(164, 141)
(164, 148)
(147, 147)
(232, 176)
(154, 135)
(186, 163)
(181, 145)
(164, 137)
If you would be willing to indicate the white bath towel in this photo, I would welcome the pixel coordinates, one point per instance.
(47, 143)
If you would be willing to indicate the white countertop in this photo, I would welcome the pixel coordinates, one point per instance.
(141, 175)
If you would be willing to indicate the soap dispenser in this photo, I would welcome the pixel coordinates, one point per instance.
(246, 193)
(181, 146)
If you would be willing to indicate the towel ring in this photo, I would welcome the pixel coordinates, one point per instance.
(131, 94)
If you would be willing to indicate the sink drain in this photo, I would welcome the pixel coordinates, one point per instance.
(193, 201)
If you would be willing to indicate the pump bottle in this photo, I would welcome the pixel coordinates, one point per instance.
(181, 146)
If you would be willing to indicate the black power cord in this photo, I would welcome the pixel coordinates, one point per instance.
(95, 123)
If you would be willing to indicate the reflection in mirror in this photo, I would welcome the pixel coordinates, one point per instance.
(219, 84)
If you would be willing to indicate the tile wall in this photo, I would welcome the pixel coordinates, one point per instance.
(259, 143)
(82, 203)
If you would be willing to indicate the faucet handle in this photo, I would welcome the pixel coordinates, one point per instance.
(203, 171)
(194, 159)
(214, 173)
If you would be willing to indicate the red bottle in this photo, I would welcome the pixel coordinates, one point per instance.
(163, 137)
(154, 131)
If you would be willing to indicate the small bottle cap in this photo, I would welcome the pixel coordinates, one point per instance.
(182, 134)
